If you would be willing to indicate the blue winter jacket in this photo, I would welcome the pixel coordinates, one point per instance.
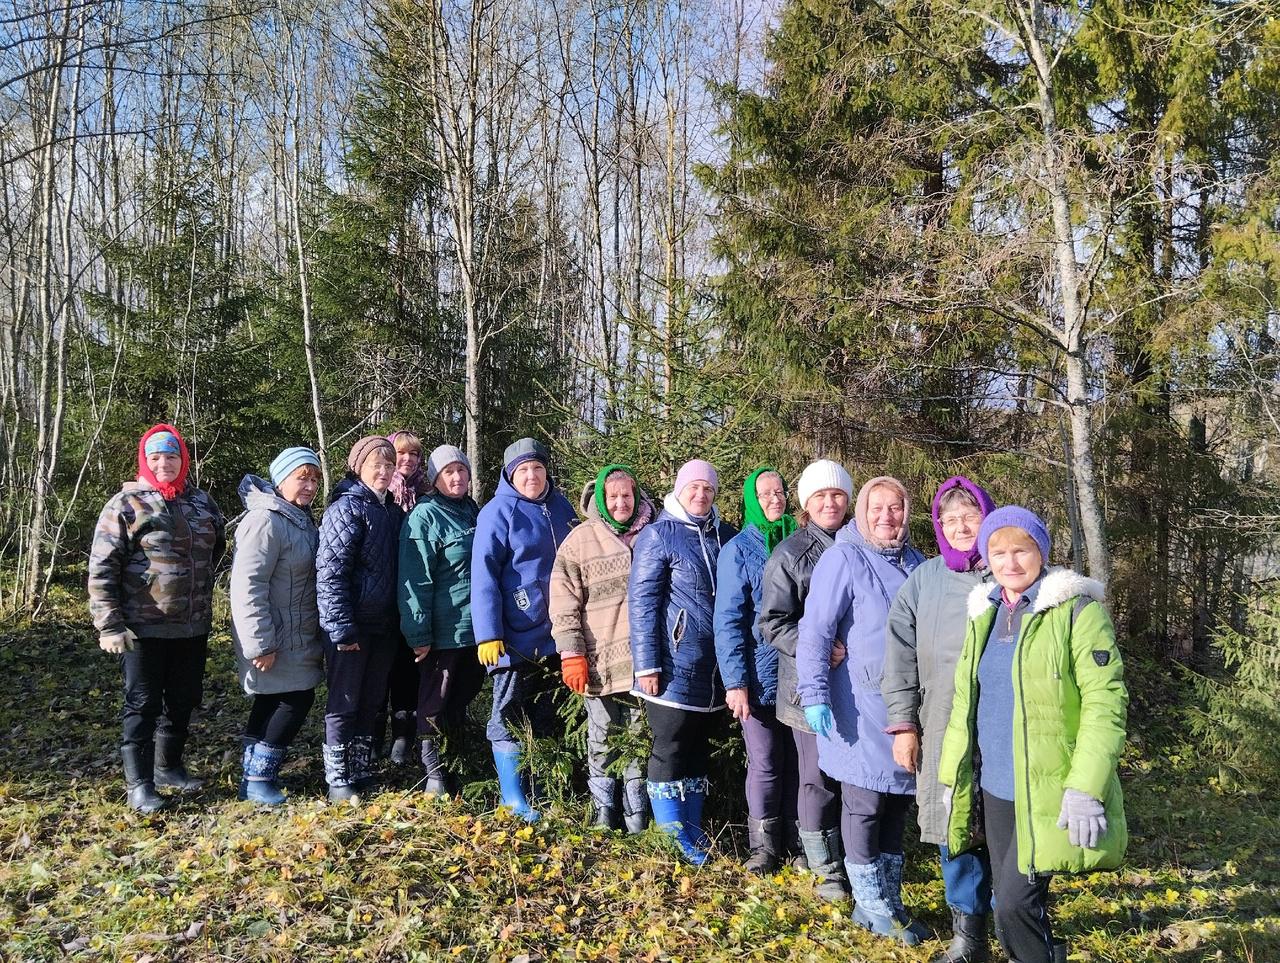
(671, 599)
(356, 563)
(853, 586)
(511, 559)
(745, 660)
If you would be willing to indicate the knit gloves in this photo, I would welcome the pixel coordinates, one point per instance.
(490, 653)
(819, 719)
(573, 670)
(1083, 817)
(117, 643)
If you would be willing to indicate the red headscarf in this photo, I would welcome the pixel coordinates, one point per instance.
(170, 490)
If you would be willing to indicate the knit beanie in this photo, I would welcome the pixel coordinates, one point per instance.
(696, 470)
(1015, 516)
(442, 458)
(365, 447)
(862, 517)
(519, 452)
(289, 461)
(821, 475)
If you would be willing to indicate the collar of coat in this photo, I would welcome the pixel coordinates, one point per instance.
(1060, 585)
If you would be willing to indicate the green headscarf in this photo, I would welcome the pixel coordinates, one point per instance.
(753, 514)
(603, 509)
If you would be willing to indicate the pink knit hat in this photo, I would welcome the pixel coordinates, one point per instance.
(696, 470)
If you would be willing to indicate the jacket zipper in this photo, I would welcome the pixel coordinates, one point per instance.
(1026, 762)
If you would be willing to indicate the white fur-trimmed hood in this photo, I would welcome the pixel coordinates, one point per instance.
(1060, 585)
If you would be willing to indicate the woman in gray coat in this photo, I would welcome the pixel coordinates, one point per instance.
(274, 620)
(922, 645)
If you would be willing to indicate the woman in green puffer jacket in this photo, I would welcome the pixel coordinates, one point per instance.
(1036, 731)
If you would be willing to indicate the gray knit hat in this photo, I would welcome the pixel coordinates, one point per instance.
(525, 449)
(441, 458)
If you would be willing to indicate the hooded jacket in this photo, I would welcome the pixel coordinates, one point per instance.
(152, 563)
(515, 549)
(745, 660)
(1069, 719)
(273, 592)
(671, 602)
(589, 595)
(849, 598)
(356, 563)
(434, 578)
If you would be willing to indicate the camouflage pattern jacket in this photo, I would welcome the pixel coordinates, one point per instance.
(152, 563)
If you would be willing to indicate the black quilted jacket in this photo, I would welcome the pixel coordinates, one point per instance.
(356, 565)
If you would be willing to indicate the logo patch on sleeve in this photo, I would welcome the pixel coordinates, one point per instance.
(1101, 656)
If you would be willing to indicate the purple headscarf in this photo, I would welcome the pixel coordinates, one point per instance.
(956, 560)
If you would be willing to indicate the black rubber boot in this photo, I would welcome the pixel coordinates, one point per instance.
(437, 777)
(762, 837)
(969, 943)
(404, 729)
(169, 769)
(139, 778)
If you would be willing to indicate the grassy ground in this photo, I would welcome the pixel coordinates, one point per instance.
(406, 878)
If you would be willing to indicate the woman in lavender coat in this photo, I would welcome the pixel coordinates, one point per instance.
(853, 586)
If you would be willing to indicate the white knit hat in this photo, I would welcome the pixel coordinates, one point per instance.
(821, 474)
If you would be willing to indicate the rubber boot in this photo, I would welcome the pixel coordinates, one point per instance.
(169, 770)
(822, 851)
(404, 729)
(891, 877)
(261, 775)
(512, 784)
(139, 778)
(437, 781)
(667, 800)
(762, 838)
(248, 742)
(872, 908)
(604, 802)
(695, 796)
(337, 773)
(635, 805)
(969, 943)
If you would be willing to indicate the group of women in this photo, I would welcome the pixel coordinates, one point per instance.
(981, 682)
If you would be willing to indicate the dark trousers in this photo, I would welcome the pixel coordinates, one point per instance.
(524, 697)
(402, 684)
(817, 801)
(448, 679)
(276, 718)
(357, 686)
(772, 779)
(871, 822)
(1023, 925)
(681, 743)
(163, 684)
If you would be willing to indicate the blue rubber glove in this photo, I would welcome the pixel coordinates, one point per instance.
(819, 719)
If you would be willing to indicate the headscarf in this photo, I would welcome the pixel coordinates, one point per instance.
(956, 560)
(863, 522)
(603, 508)
(407, 489)
(168, 490)
(753, 514)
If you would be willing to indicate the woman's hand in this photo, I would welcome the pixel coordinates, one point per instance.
(906, 750)
(738, 703)
(420, 652)
(648, 684)
(263, 663)
(819, 719)
(838, 652)
(353, 647)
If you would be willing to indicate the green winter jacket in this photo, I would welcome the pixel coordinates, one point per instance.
(435, 572)
(1070, 706)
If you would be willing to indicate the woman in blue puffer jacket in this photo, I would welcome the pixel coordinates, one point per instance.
(517, 535)
(749, 666)
(356, 594)
(670, 604)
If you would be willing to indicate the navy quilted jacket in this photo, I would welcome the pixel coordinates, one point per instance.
(356, 565)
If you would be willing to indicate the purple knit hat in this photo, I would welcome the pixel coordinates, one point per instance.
(1015, 516)
(956, 560)
(696, 470)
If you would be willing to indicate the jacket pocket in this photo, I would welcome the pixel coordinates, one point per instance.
(869, 677)
(527, 607)
(678, 627)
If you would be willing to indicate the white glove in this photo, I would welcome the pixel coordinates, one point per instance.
(1083, 817)
(117, 643)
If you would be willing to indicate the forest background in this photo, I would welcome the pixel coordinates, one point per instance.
(1035, 243)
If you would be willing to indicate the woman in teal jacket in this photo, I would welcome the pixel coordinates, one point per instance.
(435, 604)
(1036, 731)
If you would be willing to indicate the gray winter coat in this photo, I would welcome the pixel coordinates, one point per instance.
(922, 645)
(273, 592)
(786, 583)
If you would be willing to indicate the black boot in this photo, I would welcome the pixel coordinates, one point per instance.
(794, 849)
(404, 729)
(437, 782)
(762, 837)
(379, 741)
(969, 943)
(169, 770)
(139, 778)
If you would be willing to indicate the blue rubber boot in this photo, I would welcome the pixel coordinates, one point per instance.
(695, 796)
(666, 800)
(260, 775)
(891, 878)
(511, 782)
(872, 909)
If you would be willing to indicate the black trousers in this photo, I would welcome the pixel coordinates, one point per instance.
(163, 684)
(681, 742)
(448, 679)
(871, 822)
(358, 686)
(1023, 925)
(402, 686)
(276, 718)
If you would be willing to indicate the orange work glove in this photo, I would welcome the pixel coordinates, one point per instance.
(573, 670)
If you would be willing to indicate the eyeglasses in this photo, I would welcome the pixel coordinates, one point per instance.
(968, 518)
(777, 495)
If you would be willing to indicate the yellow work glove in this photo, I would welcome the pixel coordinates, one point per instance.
(490, 652)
